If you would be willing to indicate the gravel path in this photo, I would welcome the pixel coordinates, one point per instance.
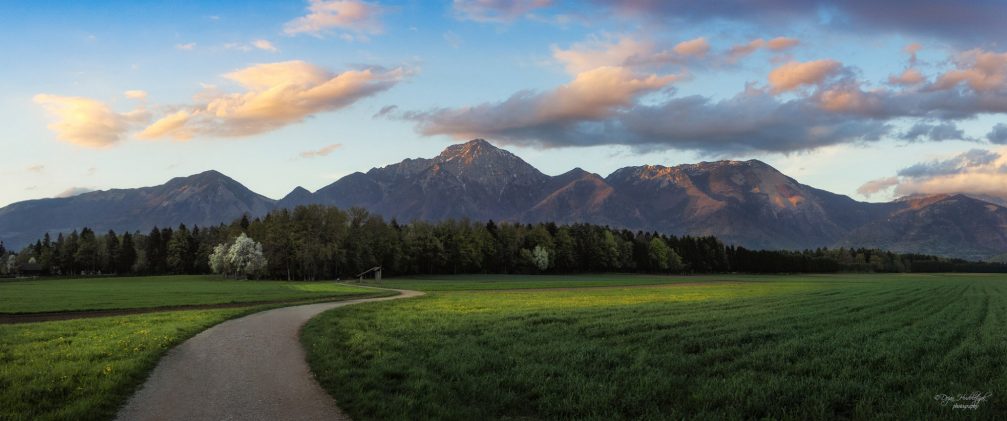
(251, 368)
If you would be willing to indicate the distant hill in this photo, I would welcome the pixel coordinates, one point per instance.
(748, 203)
(208, 198)
(946, 225)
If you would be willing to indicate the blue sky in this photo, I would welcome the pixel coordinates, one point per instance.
(281, 94)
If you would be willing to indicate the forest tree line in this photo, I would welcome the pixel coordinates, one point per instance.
(316, 242)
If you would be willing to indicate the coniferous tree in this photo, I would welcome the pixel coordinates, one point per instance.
(178, 253)
(153, 252)
(86, 255)
(110, 263)
(127, 254)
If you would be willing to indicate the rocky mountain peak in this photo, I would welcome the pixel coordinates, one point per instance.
(473, 151)
(489, 165)
(203, 179)
(297, 192)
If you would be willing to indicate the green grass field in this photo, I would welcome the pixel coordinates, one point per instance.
(48, 295)
(84, 369)
(792, 347)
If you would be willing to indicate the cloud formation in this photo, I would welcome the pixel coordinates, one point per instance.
(265, 45)
(909, 77)
(632, 52)
(977, 172)
(692, 47)
(933, 132)
(998, 134)
(979, 70)
(958, 164)
(323, 151)
(496, 11)
(777, 44)
(602, 52)
(803, 105)
(87, 122)
(349, 15)
(274, 95)
(793, 75)
(136, 94)
(976, 20)
(74, 191)
(751, 121)
(593, 95)
(873, 187)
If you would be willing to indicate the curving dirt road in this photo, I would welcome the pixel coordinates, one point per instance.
(251, 368)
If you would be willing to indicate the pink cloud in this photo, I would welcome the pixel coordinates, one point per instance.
(596, 53)
(875, 186)
(794, 74)
(777, 44)
(275, 95)
(351, 15)
(980, 70)
(323, 151)
(912, 49)
(782, 43)
(693, 47)
(909, 77)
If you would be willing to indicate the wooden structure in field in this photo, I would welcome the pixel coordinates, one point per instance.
(375, 270)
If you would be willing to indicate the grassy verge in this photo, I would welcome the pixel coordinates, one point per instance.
(85, 369)
(852, 346)
(156, 291)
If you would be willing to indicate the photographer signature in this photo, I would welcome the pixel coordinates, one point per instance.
(963, 401)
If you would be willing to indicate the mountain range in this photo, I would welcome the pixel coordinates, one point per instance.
(748, 203)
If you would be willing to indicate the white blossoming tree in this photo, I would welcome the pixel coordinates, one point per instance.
(540, 256)
(218, 259)
(243, 257)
